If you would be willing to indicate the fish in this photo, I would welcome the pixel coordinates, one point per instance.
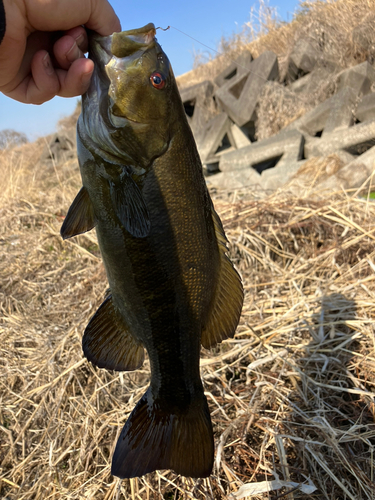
(172, 286)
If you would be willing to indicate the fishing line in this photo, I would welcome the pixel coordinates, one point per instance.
(216, 51)
(225, 55)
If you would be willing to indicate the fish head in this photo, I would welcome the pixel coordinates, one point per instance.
(136, 93)
(140, 75)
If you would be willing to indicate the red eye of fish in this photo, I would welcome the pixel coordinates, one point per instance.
(157, 80)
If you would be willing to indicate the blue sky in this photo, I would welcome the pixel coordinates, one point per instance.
(204, 20)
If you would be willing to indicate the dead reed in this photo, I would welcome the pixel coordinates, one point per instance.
(291, 396)
(341, 31)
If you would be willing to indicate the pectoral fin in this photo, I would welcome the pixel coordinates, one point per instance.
(227, 302)
(108, 343)
(80, 217)
(130, 206)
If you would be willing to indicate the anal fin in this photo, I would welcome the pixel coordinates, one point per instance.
(108, 343)
(80, 217)
(228, 300)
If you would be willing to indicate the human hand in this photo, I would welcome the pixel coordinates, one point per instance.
(42, 53)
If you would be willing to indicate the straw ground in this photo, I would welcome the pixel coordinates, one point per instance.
(291, 396)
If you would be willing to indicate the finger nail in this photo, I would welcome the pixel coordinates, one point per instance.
(79, 39)
(73, 53)
(48, 65)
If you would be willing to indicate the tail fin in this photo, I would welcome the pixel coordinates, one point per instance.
(153, 439)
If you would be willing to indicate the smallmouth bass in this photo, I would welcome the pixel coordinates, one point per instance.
(172, 286)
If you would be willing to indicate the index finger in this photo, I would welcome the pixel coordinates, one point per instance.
(47, 16)
(103, 18)
(97, 15)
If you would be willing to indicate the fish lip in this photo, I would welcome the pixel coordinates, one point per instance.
(146, 34)
(105, 46)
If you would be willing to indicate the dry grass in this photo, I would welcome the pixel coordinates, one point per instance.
(326, 24)
(277, 108)
(342, 32)
(291, 397)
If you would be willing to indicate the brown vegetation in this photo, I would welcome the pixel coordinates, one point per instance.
(291, 396)
(329, 24)
(343, 31)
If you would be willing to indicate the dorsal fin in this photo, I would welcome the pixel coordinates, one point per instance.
(80, 217)
(227, 303)
(108, 342)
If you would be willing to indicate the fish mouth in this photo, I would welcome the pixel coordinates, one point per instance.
(112, 54)
(145, 35)
(122, 44)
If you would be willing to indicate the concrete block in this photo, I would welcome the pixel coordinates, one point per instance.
(199, 105)
(366, 108)
(334, 113)
(212, 137)
(360, 78)
(341, 110)
(367, 160)
(344, 157)
(355, 140)
(353, 175)
(239, 96)
(313, 122)
(238, 67)
(236, 179)
(60, 148)
(311, 81)
(221, 135)
(301, 84)
(282, 148)
(238, 137)
(302, 58)
(274, 178)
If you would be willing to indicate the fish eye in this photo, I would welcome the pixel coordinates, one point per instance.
(157, 80)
